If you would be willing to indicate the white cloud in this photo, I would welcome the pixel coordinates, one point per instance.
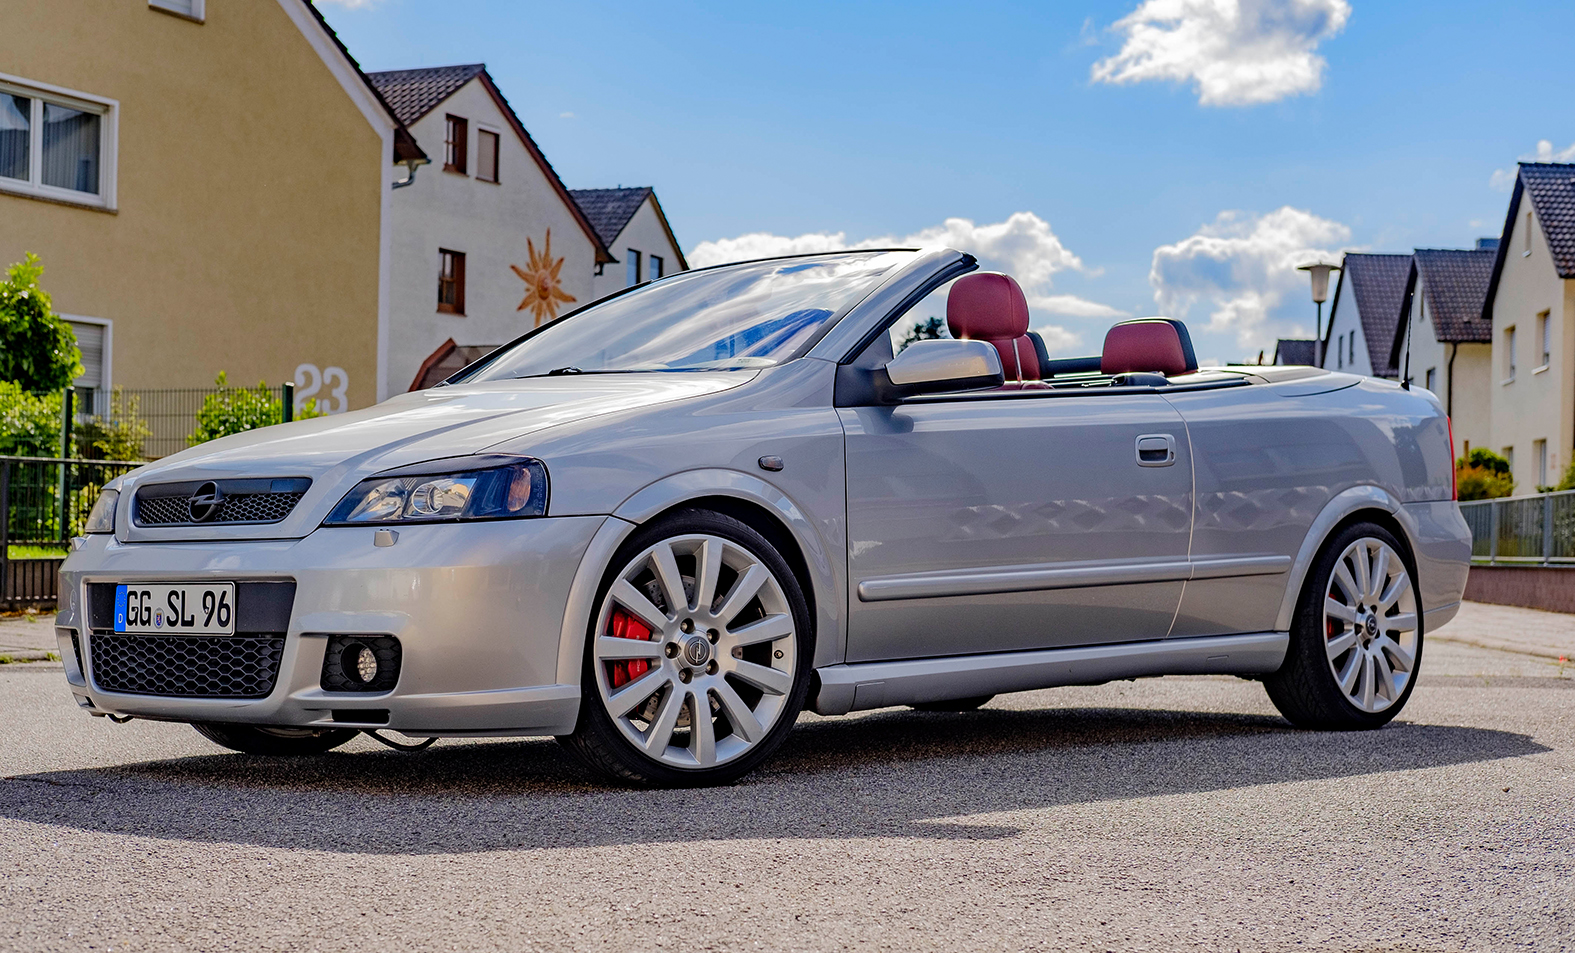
(1243, 267)
(1503, 180)
(1022, 246)
(565, 115)
(1235, 52)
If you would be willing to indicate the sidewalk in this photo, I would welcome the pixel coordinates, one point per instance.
(24, 641)
(1549, 635)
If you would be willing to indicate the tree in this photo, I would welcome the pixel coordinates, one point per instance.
(37, 349)
(930, 329)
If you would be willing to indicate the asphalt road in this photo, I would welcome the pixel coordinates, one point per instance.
(1176, 813)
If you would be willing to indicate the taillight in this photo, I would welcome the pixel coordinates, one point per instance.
(1454, 472)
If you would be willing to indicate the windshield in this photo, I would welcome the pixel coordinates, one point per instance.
(750, 315)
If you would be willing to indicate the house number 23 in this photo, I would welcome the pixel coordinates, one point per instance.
(311, 381)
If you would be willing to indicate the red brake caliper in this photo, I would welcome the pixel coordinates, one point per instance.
(625, 626)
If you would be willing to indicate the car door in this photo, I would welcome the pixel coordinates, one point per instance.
(997, 522)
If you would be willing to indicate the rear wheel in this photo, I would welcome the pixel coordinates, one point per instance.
(697, 663)
(265, 739)
(1356, 641)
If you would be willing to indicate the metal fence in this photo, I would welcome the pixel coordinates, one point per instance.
(45, 501)
(1522, 529)
(171, 414)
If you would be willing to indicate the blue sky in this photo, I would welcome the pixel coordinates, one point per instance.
(1228, 140)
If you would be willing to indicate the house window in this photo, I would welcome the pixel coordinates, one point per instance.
(1350, 348)
(1339, 352)
(1539, 453)
(451, 282)
(190, 9)
(1508, 453)
(1432, 379)
(93, 337)
(1543, 335)
(486, 155)
(54, 145)
(656, 267)
(454, 145)
(632, 263)
(1527, 239)
(1509, 353)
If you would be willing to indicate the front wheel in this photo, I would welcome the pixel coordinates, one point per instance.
(1356, 640)
(697, 663)
(265, 739)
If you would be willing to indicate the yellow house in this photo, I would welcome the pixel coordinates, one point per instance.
(1531, 307)
(207, 184)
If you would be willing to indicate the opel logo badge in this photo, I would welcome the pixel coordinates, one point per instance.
(697, 650)
(206, 503)
(1372, 626)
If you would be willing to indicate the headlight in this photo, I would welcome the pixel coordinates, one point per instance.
(101, 519)
(418, 495)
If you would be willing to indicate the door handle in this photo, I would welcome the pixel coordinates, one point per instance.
(1156, 450)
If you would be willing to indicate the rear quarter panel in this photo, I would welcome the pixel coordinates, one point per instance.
(1275, 460)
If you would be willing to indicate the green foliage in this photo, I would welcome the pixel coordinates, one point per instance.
(1568, 480)
(117, 436)
(234, 410)
(37, 349)
(29, 423)
(1485, 460)
(930, 329)
(1483, 475)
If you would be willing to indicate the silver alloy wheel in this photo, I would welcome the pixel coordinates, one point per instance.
(721, 641)
(1370, 625)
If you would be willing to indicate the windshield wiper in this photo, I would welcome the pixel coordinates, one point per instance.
(560, 371)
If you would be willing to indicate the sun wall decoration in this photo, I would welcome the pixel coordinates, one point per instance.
(543, 290)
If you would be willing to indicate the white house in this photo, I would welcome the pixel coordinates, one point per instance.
(487, 242)
(633, 227)
(1443, 343)
(1366, 309)
(1531, 307)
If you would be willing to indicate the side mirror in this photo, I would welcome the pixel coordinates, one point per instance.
(935, 367)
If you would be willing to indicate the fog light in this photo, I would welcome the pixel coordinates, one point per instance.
(366, 664)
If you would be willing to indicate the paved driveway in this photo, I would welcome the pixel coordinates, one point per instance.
(1176, 813)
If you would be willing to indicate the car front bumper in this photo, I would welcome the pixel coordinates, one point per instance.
(477, 608)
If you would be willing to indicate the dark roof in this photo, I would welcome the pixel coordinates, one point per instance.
(1455, 283)
(610, 210)
(448, 360)
(405, 146)
(1378, 283)
(416, 92)
(1296, 351)
(413, 92)
(1551, 186)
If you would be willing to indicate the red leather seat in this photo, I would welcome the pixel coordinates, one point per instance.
(1156, 345)
(987, 306)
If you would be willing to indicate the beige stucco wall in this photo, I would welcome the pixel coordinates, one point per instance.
(644, 233)
(489, 223)
(1537, 403)
(1469, 399)
(249, 189)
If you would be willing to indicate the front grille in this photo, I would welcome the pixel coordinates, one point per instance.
(182, 666)
(243, 501)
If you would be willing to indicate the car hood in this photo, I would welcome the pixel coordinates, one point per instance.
(337, 452)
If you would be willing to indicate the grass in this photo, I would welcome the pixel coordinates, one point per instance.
(13, 660)
(31, 551)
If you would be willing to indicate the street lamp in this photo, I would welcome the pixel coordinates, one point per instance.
(1320, 293)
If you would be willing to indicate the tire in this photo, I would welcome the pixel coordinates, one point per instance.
(738, 636)
(1356, 639)
(260, 739)
(955, 704)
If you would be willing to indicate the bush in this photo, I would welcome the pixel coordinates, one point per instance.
(37, 350)
(29, 423)
(1483, 475)
(119, 436)
(236, 410)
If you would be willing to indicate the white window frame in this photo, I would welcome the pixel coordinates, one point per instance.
(1545, 335)
(1540, 448)
(198, 14)
(109, 139)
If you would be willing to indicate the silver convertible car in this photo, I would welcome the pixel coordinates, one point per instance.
(662, 526)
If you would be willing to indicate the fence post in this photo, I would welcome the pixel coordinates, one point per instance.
(1547, 528)
(1493, 532)
(67, 400)
(287, 395)
(5, 530)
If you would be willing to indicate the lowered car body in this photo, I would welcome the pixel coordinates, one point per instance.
(915, 536)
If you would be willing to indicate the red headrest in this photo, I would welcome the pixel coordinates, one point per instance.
(1160, 345)
(986, 306)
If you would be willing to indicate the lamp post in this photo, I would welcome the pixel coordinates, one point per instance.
(1320, 293)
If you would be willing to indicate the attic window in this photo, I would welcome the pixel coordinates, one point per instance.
(486, 155)
(1527, 250)
(190, 9)
(454, 147)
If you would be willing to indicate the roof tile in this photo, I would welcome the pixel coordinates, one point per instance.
(1455, 283)
(412, 93)
(1551, 186)
(610, 209)
(1378, 284)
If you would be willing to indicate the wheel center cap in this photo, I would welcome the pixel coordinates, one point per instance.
(697, 650)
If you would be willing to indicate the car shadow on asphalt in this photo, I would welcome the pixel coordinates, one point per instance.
(898, 773)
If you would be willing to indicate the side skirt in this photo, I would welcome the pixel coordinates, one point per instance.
(845, 688)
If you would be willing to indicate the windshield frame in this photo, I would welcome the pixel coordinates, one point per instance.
(469, 371)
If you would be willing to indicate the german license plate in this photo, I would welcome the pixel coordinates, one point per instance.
(203, 609)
